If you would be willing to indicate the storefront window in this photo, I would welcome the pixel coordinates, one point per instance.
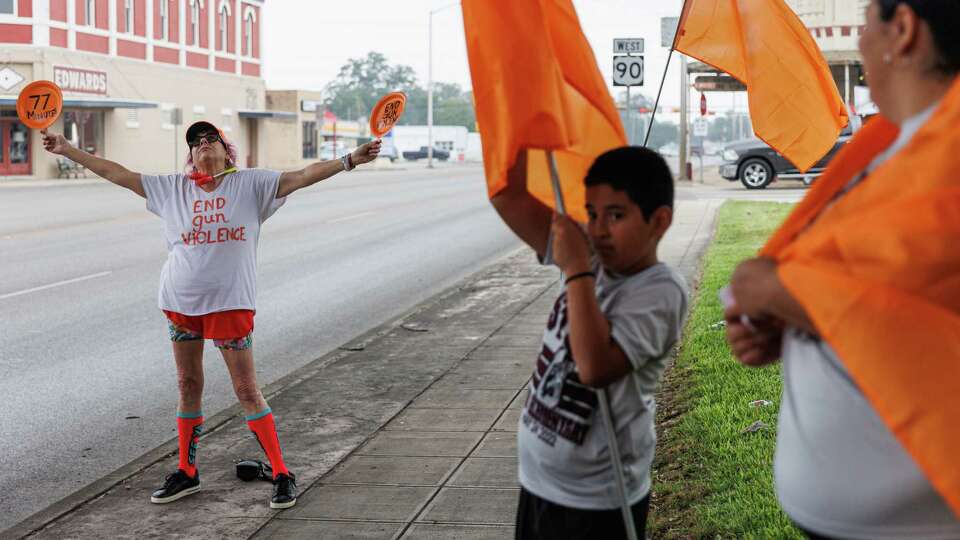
(128, 16)
(14, 145)
(18, 143)
(309, 140)
(164, 7)
(194, 21)
(6, 7)
(248, 34)
(223, 26)
(84, 130)
(90, 12)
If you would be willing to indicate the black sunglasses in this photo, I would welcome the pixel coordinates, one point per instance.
(209, 137)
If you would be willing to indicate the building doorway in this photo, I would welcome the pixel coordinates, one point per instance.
(14, 148)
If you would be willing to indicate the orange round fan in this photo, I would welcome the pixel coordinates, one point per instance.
(386, 113)
(40, 104)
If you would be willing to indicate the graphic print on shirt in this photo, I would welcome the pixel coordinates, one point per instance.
(210, 224)
(558, 404)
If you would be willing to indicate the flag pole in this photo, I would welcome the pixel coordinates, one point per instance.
(628, 523)
(673, 45)
(653, 113)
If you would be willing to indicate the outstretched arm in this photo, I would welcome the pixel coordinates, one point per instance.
(291, 181)
(527, 217)
(104, 168)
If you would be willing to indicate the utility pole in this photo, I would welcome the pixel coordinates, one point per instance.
(430, 94)
(430, 82)
(684, 106)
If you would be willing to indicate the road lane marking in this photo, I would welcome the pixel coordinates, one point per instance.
(348, 218)
(57, 284)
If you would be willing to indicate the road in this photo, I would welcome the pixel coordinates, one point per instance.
(86, 369)
(85, 362)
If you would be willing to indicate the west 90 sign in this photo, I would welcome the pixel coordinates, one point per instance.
(627, 70)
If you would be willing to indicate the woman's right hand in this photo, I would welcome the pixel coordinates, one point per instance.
(53, 143)
(758, 346)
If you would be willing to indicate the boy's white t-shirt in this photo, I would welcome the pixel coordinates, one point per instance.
(211, 238)
(562, 442)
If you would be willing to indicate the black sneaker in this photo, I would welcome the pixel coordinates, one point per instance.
(284, 491)
(176, 486)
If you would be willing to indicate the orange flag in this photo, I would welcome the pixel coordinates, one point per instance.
(877, 272)
(794, 102)
(537, 87)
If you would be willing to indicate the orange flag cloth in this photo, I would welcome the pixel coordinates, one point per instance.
(537, 86)
(794, 103)
(879, 275)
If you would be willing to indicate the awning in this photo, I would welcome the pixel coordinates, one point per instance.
(77, 102)
(283, 115)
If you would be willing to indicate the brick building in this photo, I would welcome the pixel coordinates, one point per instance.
(135, 74)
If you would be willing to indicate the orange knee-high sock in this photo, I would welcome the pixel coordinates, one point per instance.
(189, 426)
(263, 426)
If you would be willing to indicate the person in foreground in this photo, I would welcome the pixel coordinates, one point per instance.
(613, 326)
(858, 294)
(211, 220)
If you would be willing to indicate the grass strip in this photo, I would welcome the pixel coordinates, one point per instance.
(711, 478)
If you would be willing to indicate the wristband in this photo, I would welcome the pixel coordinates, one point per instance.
(578, 276)
(345, 161)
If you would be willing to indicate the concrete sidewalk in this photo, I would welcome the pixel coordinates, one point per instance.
(406, 432)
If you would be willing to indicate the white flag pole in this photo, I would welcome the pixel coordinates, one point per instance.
(601, 393)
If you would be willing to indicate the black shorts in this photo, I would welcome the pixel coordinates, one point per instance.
(539, 519)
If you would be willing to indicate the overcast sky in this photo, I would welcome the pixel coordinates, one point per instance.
(306, 42)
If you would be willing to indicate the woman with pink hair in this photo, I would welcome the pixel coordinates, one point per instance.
(212, 216)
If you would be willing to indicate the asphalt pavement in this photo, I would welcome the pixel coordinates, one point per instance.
(85, 362)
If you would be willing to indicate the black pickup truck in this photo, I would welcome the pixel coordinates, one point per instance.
(438, 153)
(755, 164)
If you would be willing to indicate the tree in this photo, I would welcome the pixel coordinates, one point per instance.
(721, 129)
(664, 133)
(362, 81)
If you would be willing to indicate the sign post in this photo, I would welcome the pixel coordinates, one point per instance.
(628, 71)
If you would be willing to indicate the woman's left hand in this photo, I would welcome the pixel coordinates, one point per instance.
(366, 153)
(752, 283)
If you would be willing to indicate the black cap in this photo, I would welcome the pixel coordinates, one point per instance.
(202, 125)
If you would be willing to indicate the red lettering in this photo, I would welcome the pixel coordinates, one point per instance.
(221, 203)
(207, 206)
(197, 207)
(222, 234)
(187, 237)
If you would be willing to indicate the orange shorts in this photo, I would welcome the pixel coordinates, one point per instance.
(223, 325)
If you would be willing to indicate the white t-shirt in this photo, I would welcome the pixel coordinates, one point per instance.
(562, 442)
(839, 470)
(211, 238)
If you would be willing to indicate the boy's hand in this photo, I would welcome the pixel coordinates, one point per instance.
(571, 251)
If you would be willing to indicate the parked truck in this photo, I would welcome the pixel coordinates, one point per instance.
(438, 153)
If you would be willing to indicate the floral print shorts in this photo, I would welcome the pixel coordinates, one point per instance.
(178, 334)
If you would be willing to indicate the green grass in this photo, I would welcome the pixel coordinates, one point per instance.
(711, 479)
